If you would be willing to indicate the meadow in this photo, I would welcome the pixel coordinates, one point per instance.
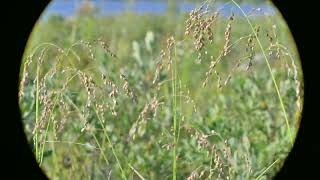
(174, 96)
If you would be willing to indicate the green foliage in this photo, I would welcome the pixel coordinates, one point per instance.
(245, 113)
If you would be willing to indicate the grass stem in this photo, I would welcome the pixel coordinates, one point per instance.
(37, 111)
(270, 70)
(267, 169)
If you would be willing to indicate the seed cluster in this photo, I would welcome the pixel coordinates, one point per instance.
(227, 35)
(225, 51)
(194, 175)
(170, 44)
(45, 99)
(221, 164)
(113, 94)
(159, 66)
(202, 139)
(250, 47)
(24, 76)
(279, 52)
(199, 27)
(168, 54)
(190, 100)
(272, 40)
(104, 45)
(298, 86)
(89, 85)
(220, 152)
(88, 45)
(148, 111)
(248, 164)
(213, 64)
(59, 125)
(129, 91)
(235, 67)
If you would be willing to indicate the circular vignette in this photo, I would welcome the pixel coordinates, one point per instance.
(305, 148)
(288, 23)
(23, 162)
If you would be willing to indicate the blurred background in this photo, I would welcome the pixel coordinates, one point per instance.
(250, 131)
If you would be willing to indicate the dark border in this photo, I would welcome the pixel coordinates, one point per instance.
(19, 22)
(302, 160)
(20, 17)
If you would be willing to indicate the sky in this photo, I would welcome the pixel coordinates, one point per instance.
(68, 8)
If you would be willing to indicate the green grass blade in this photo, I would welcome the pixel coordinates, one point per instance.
(270, 70)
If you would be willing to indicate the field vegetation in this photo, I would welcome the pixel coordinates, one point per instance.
(174, 96)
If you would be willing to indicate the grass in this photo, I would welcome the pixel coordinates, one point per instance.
(174, 89)
(197, 96)
(140, 176)
(267, 169)
(37, 113)
(270, 70)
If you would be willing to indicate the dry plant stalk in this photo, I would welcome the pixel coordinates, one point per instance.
(148, 111)
(129, 91)
(200, 28)
(113, 94)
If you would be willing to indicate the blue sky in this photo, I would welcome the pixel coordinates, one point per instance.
(110, 7)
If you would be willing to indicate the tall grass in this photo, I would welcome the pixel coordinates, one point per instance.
(270, 70)
(185, 98)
